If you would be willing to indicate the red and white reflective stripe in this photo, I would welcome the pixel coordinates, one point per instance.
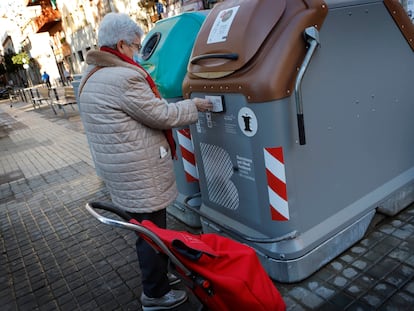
(276, 183)
(187, 152)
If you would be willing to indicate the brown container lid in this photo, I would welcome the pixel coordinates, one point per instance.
(232, 34)
(253, 47)
(402, 20)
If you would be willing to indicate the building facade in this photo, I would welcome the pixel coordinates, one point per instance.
(60, 33)
(81, 19)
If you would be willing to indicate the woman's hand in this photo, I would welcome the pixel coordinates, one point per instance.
(202, 104)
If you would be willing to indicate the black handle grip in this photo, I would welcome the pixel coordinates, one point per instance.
(301, 129)
(231, 56)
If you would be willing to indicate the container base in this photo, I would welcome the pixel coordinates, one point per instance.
(295, 270)
(185, 215)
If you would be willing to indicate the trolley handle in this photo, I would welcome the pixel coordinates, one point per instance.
(135, 226)
(231, 56)
(107, 206)
(234, 233)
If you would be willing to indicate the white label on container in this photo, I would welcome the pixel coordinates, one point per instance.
(217, 102)
(222, 25)
(245, 167)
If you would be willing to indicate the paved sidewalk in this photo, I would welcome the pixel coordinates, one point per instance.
(56, 256)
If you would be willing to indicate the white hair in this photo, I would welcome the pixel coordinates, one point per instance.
(116, 27)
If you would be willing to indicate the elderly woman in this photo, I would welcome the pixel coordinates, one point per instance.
(128, 127)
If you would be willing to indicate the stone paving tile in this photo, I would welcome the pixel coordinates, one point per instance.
(55, 256)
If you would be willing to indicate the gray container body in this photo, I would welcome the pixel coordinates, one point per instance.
(300, 206)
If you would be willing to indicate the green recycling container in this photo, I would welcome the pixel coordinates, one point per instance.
(166, 50)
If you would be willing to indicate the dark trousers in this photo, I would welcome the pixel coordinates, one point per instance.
(154, 266)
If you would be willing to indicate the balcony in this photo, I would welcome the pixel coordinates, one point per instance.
(64, 50)
(146, 3)
(48, 15)
(40, 2)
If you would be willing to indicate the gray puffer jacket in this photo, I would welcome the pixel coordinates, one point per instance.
(124, 123)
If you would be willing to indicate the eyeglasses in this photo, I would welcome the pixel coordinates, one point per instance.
(138, 46)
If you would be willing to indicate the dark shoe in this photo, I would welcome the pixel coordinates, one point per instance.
(172, 279)
(170, 300)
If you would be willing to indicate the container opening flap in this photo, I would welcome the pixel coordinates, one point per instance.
(150, 45)
(232, 34)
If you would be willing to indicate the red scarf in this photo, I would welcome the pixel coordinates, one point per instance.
(168, 133)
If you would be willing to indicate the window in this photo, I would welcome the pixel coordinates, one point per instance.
(80, 55)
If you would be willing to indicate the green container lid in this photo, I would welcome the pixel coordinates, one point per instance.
(166, 50)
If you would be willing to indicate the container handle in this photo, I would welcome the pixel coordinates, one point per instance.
(231, 56)
(312, 38)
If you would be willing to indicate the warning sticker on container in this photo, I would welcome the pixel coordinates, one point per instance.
(222, 25)
(276, 183)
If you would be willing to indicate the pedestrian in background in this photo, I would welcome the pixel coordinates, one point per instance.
(46, 79)
(67, 75)
(128, 126)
